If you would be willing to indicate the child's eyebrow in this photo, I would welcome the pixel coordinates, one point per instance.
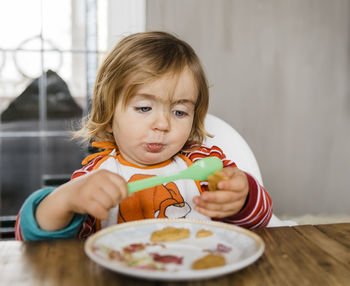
(184, 101)
(146, 95)
(153, 97)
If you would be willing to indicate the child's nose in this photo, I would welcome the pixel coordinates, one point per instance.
(161, 122)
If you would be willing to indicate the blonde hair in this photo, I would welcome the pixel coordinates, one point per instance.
(136, 60)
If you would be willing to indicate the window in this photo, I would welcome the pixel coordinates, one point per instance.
(49, 54)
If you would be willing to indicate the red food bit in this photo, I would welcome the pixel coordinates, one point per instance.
(223, 248)
(134, 247)
(166, 258)
(220, 248)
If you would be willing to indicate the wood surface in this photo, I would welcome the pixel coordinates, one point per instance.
(301, 255)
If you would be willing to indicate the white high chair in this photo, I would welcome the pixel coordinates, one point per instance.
(236, 149)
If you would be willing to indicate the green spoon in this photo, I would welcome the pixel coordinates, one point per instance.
(200, 170)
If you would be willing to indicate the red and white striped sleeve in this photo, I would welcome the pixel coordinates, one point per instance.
(257, 210)
(86, 168)
(18, 232)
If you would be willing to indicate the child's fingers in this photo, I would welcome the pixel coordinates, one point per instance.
(104, 198)
(97, 210)
(228, 171)
(220, 197)
(218, 213)
(220, 207)
(121, 190)
(113, 185)
(220, 203)
(236, 179)
(237, 182)
(115, 188)
(227, 206)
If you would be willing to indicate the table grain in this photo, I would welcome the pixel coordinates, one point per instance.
(300, 255)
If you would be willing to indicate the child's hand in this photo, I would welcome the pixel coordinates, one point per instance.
(228, 199)
(95, 194)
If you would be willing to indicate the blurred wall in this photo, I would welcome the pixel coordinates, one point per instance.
(279, 73)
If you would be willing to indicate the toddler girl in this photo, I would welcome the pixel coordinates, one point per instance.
(147, 115)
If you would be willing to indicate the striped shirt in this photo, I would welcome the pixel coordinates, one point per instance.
(256, 212)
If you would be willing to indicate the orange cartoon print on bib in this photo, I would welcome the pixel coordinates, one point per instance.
(162, 201)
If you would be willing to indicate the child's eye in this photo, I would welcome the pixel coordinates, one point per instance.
(143, 109)
(179, 113)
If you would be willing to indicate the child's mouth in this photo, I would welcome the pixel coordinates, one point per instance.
(154, 147)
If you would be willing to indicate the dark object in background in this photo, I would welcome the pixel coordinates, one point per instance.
(7, 227)
(60, 104)
(29, 163)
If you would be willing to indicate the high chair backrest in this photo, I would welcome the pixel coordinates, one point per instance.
(237, 150)
(233, 145)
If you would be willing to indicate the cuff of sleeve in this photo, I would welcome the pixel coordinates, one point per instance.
(30, 230)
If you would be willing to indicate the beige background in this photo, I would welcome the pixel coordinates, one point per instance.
(279, 73)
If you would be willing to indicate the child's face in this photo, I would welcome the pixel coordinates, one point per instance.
(157, 120)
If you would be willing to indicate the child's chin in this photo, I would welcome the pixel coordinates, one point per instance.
(154, 159)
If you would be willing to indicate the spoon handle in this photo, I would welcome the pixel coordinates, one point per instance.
(199, 170)
(151, 182)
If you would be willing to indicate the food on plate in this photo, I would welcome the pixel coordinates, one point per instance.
(134, 247)
(220, 248)
(159, 253)
(214, 179)
(170, 234)
(203, 233)
(166, 258)
(209, 261)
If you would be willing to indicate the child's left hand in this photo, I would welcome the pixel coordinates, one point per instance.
(228, 199)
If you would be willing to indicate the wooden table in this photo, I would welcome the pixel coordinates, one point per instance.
(302, 255)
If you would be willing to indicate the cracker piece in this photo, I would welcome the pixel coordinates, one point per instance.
(170, 234)
(203, 233)
(209, 261)
(214, 179)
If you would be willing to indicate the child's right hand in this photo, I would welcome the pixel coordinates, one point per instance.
(94, 193)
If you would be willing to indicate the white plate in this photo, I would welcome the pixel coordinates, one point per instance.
(245, 248)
